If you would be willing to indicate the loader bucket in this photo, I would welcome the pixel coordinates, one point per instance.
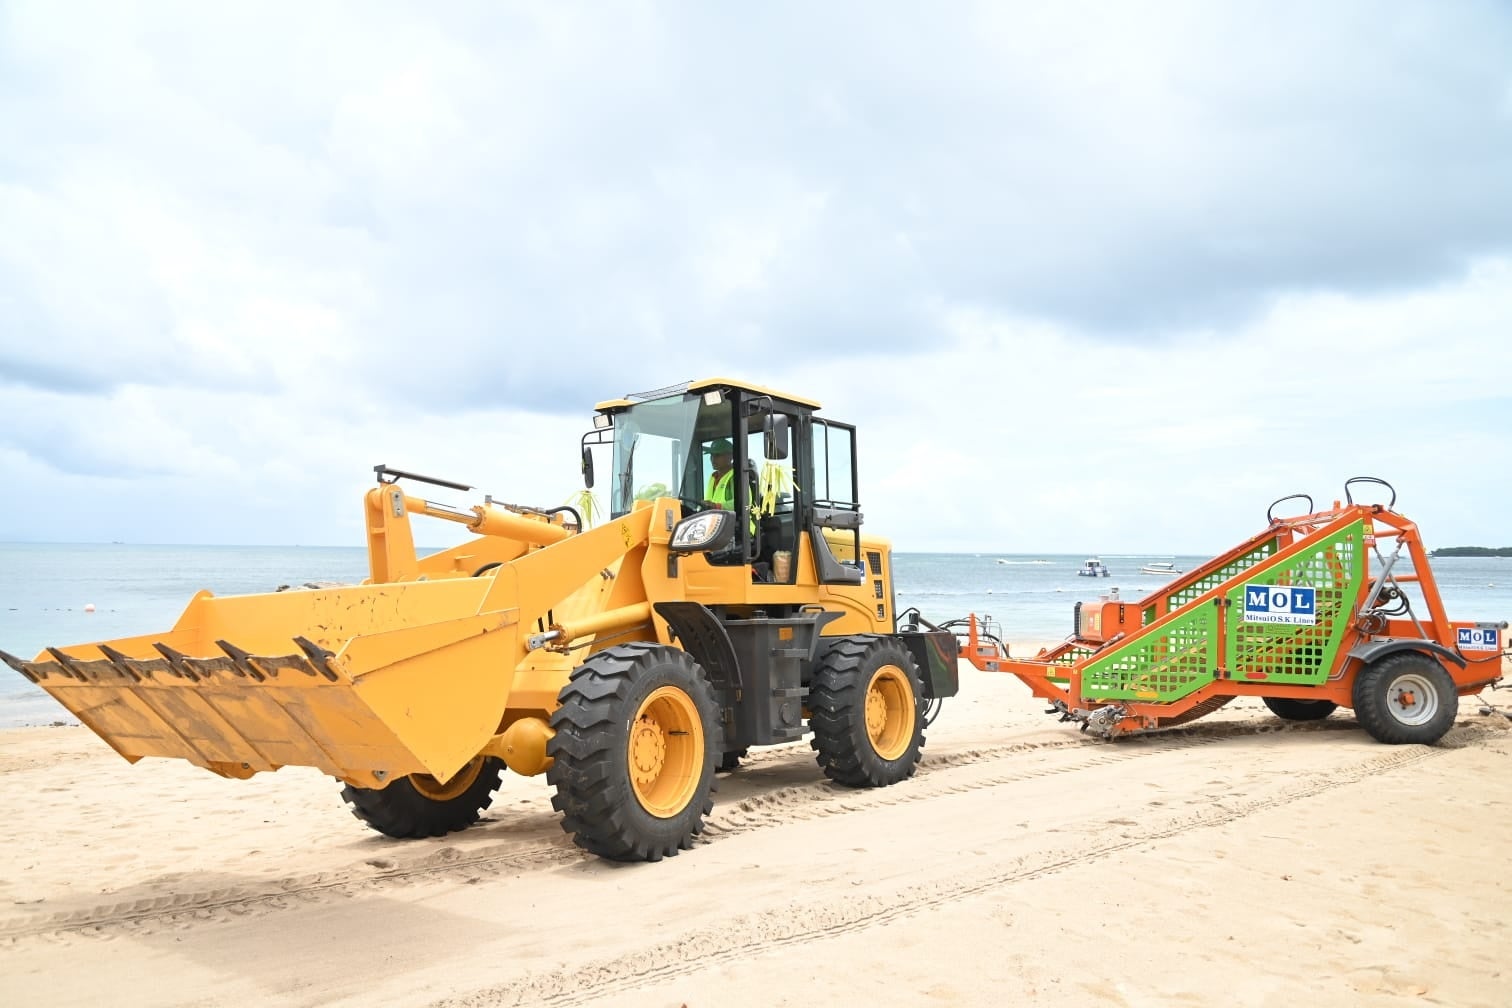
(367, 683)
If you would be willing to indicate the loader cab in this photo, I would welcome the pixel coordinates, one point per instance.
(794, 473)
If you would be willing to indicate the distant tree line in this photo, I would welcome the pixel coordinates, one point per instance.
(1475, 551)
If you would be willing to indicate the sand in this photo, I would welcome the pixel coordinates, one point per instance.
(1240, 861)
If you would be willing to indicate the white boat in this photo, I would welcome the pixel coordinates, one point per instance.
(1160, 567)
(1093, 568)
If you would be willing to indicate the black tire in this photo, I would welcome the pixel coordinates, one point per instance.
(730, 761)
(1300, 710)
(1405, 699)
(653, 701)
(421, 806)
(854, 674)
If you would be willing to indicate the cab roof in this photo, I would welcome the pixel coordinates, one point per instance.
(700, 385)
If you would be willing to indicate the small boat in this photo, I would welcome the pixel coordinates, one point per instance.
(1160, 567)
(1093, 568)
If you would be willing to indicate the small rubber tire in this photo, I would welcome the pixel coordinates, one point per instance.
(636, 738)
(1405, 698)
(867, 712)
(418, 805)
(1290, 709)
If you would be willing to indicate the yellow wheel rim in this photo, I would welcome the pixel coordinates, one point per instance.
(889, 712)
(436, 790)
(666, 752)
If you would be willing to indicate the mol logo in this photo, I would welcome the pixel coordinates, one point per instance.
(1280, 604)
(1475, 638)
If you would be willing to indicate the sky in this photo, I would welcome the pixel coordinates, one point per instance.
(1088, 277)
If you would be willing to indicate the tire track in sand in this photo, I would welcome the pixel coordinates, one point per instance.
(176, 910)
(822, 798)
(797, 922)
(149, 914)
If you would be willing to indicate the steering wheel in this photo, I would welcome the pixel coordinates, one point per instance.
(692, 505)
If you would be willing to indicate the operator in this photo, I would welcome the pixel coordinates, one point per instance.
(722, 480)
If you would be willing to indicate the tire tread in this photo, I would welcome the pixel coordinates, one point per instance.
(589, 771)
(837, 712)
(1372, 707)
(402, 812)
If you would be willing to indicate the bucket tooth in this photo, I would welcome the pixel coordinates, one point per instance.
(122, 663)
(177, 661)
(243, 660)
(70, 666)
(319, 656)
(17, 664)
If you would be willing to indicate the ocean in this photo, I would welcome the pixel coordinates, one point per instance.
(45, 588)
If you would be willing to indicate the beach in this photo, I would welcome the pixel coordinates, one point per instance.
(1241, 860)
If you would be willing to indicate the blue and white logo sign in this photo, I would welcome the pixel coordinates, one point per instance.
(1280, 604)
(1475, 638)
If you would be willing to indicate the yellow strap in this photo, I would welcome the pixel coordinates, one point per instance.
(775, 479)
(587, 506)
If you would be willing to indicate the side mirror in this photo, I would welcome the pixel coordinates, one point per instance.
(775, 437)
(587, 468)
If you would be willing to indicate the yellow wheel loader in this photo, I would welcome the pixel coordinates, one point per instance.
(625, 661)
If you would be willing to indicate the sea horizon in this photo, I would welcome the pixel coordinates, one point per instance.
(61, 594)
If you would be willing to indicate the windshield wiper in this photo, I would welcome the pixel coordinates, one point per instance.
(625, 474)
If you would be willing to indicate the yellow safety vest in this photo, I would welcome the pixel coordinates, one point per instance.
(722, 492)
(722, 489)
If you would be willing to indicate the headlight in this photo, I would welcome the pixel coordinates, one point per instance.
(707, 530)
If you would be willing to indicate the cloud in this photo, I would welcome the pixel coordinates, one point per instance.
(1130, 249)
(1043, 439)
